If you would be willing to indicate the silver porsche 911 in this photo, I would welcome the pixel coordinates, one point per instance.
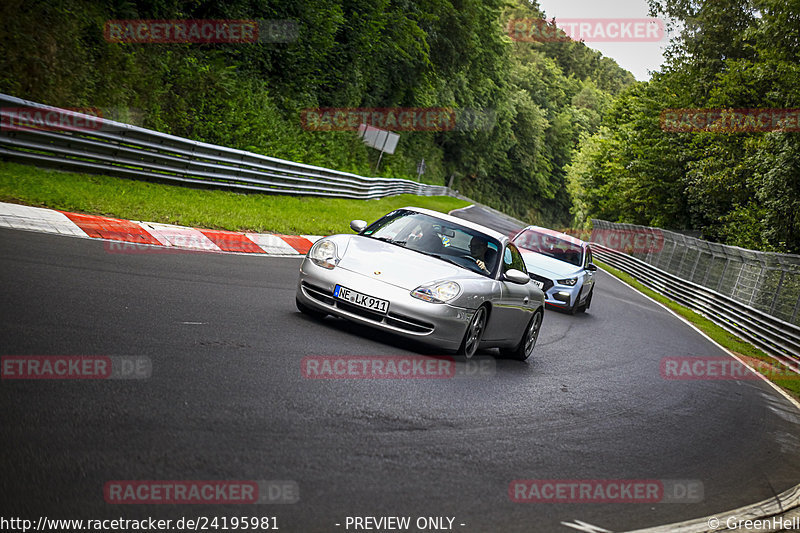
(426, 276)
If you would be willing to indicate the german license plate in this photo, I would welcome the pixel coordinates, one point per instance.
(361, 300)
(538, 283)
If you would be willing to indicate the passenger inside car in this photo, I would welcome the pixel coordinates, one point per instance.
(426, 239)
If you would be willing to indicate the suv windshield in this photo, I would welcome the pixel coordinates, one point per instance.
(551, 246)
(444, 240)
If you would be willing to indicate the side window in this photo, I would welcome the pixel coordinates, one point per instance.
(513, 259)
(588, 257)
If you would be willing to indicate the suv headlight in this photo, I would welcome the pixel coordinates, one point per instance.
(437, 293)
(569, 282)
(324, 254)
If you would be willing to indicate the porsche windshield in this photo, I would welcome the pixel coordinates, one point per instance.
(451, 242)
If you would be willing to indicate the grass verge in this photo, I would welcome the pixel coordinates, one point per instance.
(769, 367)
(203, 208)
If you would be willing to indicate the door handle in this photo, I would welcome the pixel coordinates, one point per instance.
(525, 300)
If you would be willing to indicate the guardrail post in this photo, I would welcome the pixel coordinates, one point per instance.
(794, 313)
(696, 262)
(724, 271)
(756, 285)
(683, 257)
(736, 284)
(708, 270)
(648, 256)
(671, 253)
(777, 292)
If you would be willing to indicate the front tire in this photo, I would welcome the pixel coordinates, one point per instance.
(577, 307)
(588, 303)
(527, 343)
(474, 334)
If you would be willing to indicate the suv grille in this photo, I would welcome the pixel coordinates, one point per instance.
(548, 283)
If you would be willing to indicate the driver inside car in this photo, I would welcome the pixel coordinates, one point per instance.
(477, 249)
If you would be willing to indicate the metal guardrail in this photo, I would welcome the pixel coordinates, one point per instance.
(78, 142)
(767, 281)
(777, 338)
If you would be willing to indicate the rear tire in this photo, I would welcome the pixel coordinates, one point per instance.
(303, 308)
(527, 343)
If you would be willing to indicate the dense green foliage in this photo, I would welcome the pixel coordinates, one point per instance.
(739, 188)
(542, 97)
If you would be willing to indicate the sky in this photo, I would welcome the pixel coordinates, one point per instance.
(637, 57)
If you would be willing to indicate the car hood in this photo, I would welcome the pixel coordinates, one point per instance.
(396, 265)
(548, 266)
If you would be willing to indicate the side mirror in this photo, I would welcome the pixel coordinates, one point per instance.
(591, 267)
(357, 225)
(515, 276)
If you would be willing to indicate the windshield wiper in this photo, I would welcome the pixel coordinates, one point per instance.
(390, 241)
(446, 258)
(443, 258)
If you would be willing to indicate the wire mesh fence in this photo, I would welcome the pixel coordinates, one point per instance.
(769, 282)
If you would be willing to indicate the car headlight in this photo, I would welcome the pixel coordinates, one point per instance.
(323, 253)
(569, 282)
(438, 293)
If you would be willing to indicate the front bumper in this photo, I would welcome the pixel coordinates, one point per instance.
(562, 297)
(556, 295)
(441, 325)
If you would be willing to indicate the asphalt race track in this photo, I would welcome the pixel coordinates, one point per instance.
(226, 401)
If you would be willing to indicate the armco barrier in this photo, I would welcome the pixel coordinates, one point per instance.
(767, 281)
(83, 143)
(775, 337)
